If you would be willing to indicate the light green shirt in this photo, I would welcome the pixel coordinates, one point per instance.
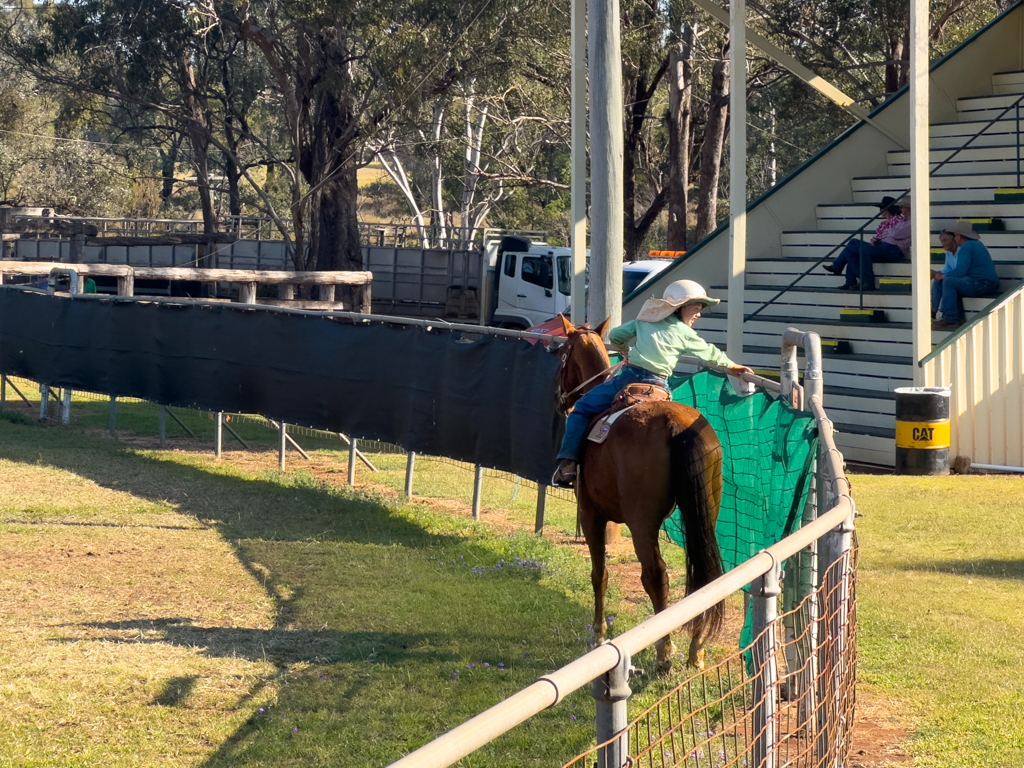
(658, 346)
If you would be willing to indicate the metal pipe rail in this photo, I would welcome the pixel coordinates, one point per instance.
(549, 690)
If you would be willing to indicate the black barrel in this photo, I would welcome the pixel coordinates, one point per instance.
(922, 431)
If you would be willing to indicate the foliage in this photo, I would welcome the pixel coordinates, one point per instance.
(267, 108)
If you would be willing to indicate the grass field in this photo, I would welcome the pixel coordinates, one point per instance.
(941, 600)
(166, 608)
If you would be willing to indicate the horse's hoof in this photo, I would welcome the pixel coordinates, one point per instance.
(696, 660)
(663, 668)
(596, 641)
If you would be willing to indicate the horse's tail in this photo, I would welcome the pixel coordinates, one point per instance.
(697, 475)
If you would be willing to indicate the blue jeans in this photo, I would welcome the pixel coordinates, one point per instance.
(850, 258)
(953, 288)
(598, 400)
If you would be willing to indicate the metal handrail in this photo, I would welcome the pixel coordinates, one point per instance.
(550, 689)
(1015, 105)
(976, 320)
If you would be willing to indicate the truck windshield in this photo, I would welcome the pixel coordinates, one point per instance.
(565, 275)
(631, 279)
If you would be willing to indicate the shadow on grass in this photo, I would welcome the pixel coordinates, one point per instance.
(281, 647)
(375, 610)
(993, 569)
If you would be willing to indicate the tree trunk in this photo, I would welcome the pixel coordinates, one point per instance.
(679, 117)
(639, 91)
(168, 163)
(711, 148)
(897, 54)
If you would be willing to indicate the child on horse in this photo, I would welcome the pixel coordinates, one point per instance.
(663, 332)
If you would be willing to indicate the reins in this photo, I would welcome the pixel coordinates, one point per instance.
(606, 373)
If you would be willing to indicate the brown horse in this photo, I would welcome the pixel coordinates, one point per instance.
(657, 456)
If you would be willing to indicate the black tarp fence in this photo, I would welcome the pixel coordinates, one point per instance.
(488, 400)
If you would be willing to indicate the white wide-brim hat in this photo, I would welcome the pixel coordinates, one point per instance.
(965, 228)
(678, 294)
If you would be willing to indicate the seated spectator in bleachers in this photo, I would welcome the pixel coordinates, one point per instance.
(973, 275)
(890, 243)
(948, 241)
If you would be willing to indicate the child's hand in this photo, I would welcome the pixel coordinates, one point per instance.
(739, 370)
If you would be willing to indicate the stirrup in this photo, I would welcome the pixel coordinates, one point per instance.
(564, 480)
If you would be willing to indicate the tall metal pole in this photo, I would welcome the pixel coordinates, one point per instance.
(920, 247)
(606, 172)
(737, 177)
(578, 179)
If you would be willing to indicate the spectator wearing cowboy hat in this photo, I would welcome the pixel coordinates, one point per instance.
(660, 335)
(973, 275)
(890, 243)
(948, 242)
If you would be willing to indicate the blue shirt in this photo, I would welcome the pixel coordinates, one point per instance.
(973, 260)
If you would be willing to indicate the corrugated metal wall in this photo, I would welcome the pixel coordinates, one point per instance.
(985, 368)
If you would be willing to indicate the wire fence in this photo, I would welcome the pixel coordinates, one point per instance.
(201, 425)
(744, 712)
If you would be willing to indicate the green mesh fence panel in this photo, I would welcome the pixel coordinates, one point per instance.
(768, 451)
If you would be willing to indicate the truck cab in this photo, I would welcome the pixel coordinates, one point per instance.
(532, 281)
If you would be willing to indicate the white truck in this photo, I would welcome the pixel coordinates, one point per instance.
(532, 281)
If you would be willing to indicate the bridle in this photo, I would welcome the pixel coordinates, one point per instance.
(564, 397)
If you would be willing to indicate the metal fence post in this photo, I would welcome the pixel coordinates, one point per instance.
(478, 486)
(542, 498)
(766, 670)
(611, 691)
(282, 448)
(3, 391)
(218, 434)
(65, 407)
(113, 416)
(833, 629)
(163, 425)
(410, 466)
(44, 401)
(352, 453)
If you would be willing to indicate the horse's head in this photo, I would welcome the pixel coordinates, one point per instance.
(584, 360)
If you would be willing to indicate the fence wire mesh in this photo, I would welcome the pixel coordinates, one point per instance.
(787, 700)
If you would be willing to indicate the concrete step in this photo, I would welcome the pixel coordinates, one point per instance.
(808, 301)
(970, 187)
(1007, 82)
(1007, 151)
(974, 108)
(959, 166)
(881, 374)
(850, 217)
(862, 448)
(1005, 125)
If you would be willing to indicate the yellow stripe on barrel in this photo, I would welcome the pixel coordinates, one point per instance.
(927, 435)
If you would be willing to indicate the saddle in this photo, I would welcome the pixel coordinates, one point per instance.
(630, 396)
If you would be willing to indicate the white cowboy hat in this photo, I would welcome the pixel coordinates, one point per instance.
(965, 228)
(678, 294)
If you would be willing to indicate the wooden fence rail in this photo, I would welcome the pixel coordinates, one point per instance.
(247, 280)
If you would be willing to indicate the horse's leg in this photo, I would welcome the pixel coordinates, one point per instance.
(594, 531)
(654, 577)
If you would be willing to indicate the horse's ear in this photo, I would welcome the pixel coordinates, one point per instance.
(567, 326)
(602, 329)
